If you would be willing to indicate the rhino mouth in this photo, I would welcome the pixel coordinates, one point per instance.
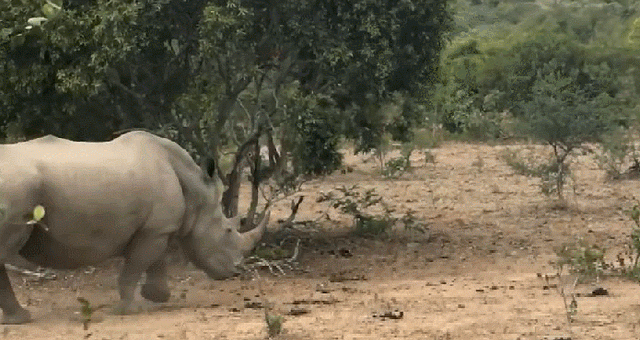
(213, 267)
(216, 276)
(220, 274)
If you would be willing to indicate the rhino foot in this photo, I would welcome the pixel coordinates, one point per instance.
(155, 292)
(20, 316)
(128, 308)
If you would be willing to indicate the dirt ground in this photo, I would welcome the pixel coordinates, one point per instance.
(475, 273)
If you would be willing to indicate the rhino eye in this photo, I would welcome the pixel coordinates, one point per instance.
(229, 230)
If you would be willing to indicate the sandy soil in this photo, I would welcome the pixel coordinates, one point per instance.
(475, 274)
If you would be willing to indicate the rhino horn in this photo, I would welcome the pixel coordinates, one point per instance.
(251, 237)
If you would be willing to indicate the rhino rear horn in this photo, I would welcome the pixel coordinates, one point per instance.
(254, 235)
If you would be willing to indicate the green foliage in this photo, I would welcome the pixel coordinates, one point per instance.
(86, 311)
(91, 68)
(586, 260)
(634, 33)
(618, 153)
(564, 115)
(383, 37)
(395, 167)
(633, 268)
(376, 56)
(364, 206)
(357, 203)
(300, 85)
(269, 252)
(456, 99)
(372, 225)
(274, 324)
(426, 138)
(270, 64)
(316, 129)
(503, 51)
(553, 176)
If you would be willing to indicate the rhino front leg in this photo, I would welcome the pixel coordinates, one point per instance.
(156, 288)
(13, 313)
(142, 255)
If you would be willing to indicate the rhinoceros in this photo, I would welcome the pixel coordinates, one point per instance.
(129, 198)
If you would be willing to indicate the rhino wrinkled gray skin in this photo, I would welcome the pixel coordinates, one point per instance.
(127, 197)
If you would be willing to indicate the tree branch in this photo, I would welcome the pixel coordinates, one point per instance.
(294, 210)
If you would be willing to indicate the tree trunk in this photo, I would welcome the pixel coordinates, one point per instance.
(234, 178)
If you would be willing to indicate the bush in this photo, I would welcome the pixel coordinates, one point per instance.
(548, 171)
(633, 268)
(564, 116)
(586, 260)
(618, 154)
(356, 202)
(314, 135)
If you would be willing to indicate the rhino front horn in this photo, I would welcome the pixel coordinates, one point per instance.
(254, 235)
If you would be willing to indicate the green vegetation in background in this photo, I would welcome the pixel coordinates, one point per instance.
(501, 49)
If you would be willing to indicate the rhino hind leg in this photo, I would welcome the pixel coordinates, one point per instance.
(13, 313)
(156, 288)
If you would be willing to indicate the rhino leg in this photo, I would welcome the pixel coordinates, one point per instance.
(156, 288)
(13, 313)
(143, 254)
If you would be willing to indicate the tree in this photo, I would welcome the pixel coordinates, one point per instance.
(85, 69)
(300, 75)
(565, 117)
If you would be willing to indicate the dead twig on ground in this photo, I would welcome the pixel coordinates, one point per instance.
(291, 263)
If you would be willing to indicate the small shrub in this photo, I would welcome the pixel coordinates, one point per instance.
(372, 225)
(411, 224)
(482, 126)
(586, 260)
(553, 175)
(356, 202)
(632, 269)
(618, 152)
(429, 157)
(274, 324)
(272, 252)
(86, 312)
(427, 138)
(395, 167)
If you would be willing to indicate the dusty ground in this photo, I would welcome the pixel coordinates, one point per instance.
(473, 275)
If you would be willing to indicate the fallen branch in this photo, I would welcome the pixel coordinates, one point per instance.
(255, 262)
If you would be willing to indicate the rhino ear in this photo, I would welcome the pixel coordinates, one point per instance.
(209, 167)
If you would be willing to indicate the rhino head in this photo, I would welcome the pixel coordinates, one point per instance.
(215, 244)
(217, 247)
